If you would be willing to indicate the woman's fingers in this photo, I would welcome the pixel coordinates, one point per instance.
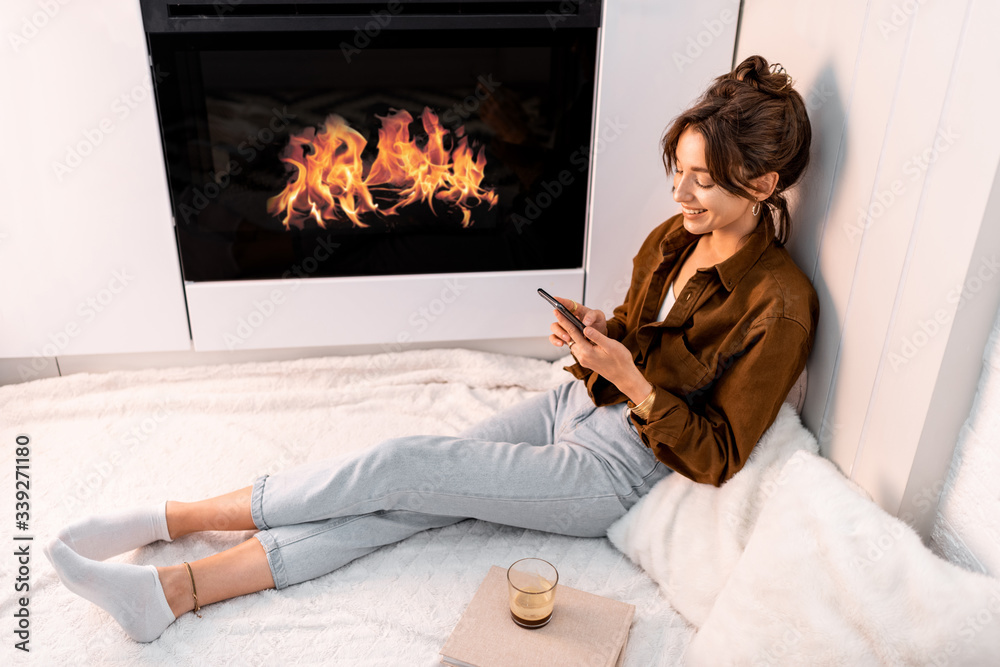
(592, 317)
(589, 316)
(571, 305)
(559, 332)
(578, 309)
(575, 335)
(595, 336)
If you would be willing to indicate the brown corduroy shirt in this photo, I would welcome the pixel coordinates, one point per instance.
(725, 358)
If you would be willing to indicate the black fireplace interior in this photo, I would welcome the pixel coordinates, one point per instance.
(375, 142)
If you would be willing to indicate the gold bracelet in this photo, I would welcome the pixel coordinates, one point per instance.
(641, 409)
(194, 591)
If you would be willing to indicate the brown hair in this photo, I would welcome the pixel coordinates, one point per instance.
(753, 123)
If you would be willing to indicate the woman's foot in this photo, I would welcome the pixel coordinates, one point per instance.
(132, 594)
(100, 537)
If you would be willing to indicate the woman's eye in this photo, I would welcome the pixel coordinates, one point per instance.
(705, 186)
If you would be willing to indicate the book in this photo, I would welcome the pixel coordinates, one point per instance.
(585, 629)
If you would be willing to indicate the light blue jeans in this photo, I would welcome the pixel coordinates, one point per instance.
(554, 462)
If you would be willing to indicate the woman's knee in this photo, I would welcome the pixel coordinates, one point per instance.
(409, 463)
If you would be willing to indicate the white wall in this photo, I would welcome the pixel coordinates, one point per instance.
(967, 523)
(892, 225)
(657, 58)
(88, 262)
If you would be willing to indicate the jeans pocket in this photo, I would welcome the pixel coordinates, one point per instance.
(646, 484)
(629, 425)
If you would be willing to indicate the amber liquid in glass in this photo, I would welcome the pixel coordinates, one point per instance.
(531, 609)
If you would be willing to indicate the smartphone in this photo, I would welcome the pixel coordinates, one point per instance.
(562, 309)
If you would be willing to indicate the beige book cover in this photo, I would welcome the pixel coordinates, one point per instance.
(585, 629)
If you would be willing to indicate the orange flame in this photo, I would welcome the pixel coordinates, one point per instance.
(328, 181)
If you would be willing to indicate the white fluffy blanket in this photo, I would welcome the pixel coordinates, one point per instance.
(689, 536)
(104, 441)
(789, 563)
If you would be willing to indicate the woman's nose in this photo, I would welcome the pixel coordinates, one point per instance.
(680, 192)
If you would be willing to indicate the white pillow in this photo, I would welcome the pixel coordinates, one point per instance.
(688, 536)
(829, 578)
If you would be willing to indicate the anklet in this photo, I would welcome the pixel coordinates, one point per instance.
(194, 591)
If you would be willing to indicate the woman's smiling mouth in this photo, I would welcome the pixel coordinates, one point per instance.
(691, 212)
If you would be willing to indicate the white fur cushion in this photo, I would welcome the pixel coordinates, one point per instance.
(689, 536)
(829, 578)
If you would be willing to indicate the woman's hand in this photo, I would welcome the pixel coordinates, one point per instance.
(591, 317)
(606, 357)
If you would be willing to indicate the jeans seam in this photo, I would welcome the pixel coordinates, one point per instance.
(257, 503)
(275, 562)
(650, 473)
(636, 487)
(320, 530)
(577, 418)
(348, 511)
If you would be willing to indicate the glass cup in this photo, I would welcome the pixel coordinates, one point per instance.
(531, 584)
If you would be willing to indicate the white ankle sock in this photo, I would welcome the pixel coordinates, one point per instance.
(106, 535)
(130, 593)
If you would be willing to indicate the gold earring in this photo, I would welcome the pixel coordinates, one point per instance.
(756, 208)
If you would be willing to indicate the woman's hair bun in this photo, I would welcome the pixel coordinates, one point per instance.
(753, 121)
(765, 78)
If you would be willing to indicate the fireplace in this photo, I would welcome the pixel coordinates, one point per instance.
(389, 138)
(374, 150)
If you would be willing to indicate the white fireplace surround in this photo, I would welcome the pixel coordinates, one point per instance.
(102, 161)
(392, 311)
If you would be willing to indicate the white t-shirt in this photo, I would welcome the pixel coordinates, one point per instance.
(668, 303)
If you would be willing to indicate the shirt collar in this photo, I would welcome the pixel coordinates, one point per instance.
(677, 240)
(732, 270)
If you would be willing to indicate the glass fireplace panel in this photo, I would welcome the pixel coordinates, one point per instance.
(428, 151)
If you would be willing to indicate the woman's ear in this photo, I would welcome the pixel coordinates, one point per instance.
(765, 185)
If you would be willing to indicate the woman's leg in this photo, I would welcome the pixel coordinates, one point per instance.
(304, 551)
(240, 570)
(145, 600)
(325, 516)
(102, 536)
(230, 511)
(535, 421)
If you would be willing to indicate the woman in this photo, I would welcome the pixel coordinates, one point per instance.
(685, 377)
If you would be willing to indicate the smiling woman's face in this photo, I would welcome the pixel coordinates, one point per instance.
(706, 206)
